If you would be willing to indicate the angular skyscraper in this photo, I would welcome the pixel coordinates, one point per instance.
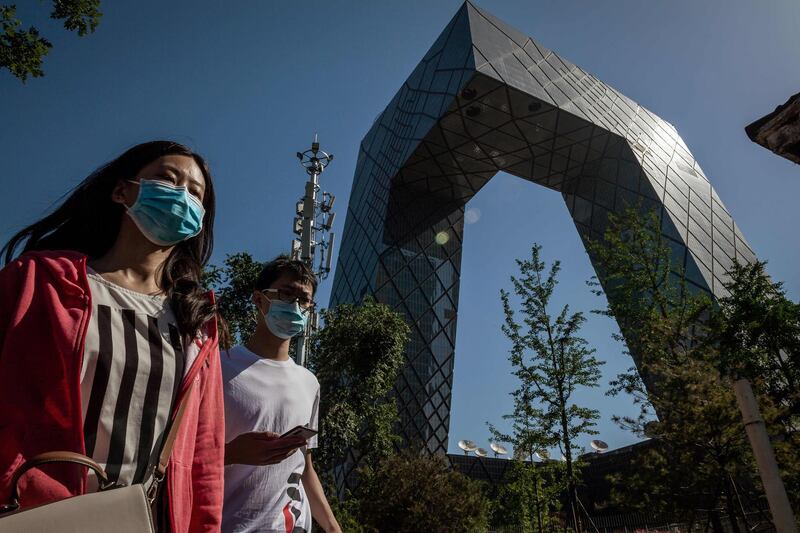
(485, 99)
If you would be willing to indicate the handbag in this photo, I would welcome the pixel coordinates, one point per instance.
(113, 508)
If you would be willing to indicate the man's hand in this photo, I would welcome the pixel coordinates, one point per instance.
(261, 448)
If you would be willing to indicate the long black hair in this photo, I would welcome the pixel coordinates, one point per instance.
(88, 221)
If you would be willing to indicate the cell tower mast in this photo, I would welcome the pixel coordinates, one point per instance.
(312, 225)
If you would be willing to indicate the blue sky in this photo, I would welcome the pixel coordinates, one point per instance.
(247, 83)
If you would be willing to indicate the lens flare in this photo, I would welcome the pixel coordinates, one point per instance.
(472, 215)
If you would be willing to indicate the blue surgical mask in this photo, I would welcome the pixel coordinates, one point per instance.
(285, 320)
(166, 214)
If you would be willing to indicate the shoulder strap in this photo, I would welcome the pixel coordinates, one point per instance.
(169, 442)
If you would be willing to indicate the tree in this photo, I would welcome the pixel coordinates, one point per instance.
(525, 500)
(757, 329)
(356, 357)
(22, 51)
(551, 361)
(412, 493)
(233, 285)
(528, 496)
(700, 457)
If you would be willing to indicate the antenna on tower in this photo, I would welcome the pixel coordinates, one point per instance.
(312, 225)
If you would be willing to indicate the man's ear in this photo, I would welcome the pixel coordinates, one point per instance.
(259, 301)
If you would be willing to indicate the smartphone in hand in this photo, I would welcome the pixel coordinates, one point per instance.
(300, 431)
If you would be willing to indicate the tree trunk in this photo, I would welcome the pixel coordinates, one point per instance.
(571, 489)
(716, 523)
(739, 504)
(538, 507)
(730, 507)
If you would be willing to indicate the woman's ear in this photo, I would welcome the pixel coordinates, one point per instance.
(125, 193)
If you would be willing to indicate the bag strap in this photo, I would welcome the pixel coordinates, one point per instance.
(166, 450)
(48, 458)
(77, 458)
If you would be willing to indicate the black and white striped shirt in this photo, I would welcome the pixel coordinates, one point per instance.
(133, 364)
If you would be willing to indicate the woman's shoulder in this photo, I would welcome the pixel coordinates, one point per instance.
(46, 264)
(47, 258)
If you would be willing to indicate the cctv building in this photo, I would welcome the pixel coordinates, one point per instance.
(488, 99)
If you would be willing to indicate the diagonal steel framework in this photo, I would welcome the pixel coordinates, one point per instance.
(488, 99)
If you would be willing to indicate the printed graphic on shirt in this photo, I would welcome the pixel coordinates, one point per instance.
(294, 508)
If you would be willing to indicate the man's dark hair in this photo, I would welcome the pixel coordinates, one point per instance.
(282, 265)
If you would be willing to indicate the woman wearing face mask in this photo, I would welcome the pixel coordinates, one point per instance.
(103, 327)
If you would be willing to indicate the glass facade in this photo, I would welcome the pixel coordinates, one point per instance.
(492, 470)
(486, 99)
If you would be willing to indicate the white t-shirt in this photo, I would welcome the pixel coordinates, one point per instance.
(267, 395)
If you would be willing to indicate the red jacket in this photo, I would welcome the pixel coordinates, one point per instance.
(45, 306)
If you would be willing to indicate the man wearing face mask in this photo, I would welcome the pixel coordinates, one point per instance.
(270, 482)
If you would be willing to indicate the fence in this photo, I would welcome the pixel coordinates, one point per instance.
(713, 521)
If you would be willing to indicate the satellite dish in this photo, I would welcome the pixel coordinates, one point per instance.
(542, 455)
(480, 452)
(467, 446)
(599, 446)
(498, 449)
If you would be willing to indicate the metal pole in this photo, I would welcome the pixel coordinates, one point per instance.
(301, 348)
(309, 212)
(307, 256)
(314, 162)
(782, 516)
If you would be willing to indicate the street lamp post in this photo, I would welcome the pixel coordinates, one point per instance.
(312, 225)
